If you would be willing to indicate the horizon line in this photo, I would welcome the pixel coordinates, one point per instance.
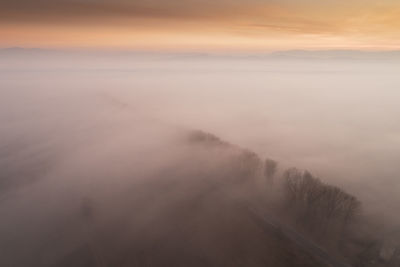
(194, 51)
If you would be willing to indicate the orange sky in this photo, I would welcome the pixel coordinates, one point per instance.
(201, 24)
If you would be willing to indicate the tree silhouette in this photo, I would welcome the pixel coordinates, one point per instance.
(270, 168)
(318, 208)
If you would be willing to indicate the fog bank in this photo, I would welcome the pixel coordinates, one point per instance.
(92, 128)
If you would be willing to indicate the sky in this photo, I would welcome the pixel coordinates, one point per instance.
(246, 25)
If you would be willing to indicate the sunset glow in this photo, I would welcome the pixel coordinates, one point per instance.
(201, 25)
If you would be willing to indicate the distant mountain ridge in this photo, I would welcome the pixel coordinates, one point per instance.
(275, 55)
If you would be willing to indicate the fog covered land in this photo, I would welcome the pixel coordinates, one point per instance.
(199, 159)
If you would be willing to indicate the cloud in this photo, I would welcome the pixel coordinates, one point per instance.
(47, 10)
(354, 23)
(222, 14)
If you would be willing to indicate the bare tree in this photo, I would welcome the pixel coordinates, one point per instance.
(270, 168)
(316, 207)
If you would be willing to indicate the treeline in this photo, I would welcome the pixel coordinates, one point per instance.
(331, 217)
(328, 214)
(324, 211)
